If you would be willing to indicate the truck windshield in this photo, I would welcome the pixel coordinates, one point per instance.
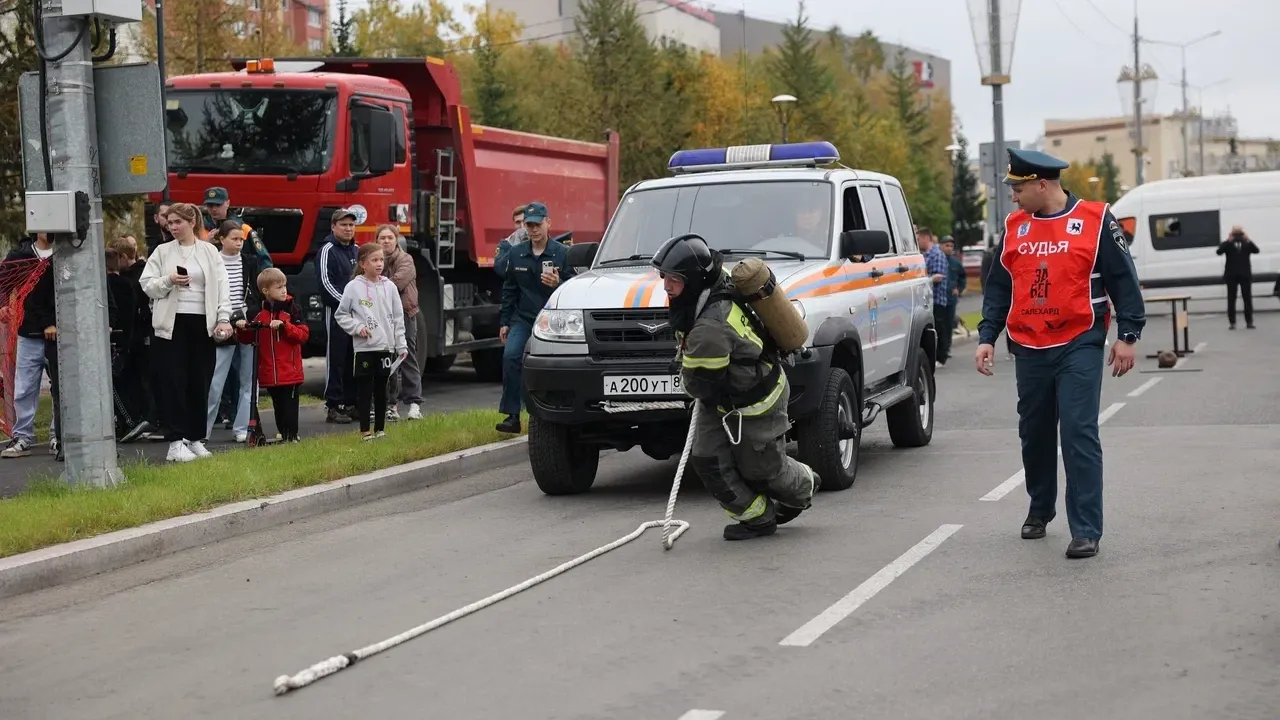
(260, 132)
(787, 216)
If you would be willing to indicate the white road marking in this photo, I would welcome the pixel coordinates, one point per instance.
(1019, 478)
(1111, 410)
(845, 606)
(1145, 386)
(703, 715)
(1200, 346)
(1183, 360)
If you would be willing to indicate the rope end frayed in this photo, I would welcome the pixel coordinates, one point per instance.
(282, 685)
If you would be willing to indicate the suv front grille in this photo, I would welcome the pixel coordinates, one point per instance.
(623, 334)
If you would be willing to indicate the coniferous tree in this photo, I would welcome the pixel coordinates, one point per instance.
(930, 203)
(1109, 174)
(967, 225)
(797, 69)
(344, 34)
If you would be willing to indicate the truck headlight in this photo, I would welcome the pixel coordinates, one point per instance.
(559, 326)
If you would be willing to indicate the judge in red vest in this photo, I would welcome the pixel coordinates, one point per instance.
(1061, 259)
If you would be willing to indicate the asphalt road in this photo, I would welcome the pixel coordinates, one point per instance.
(1177, 618)
(457, 389)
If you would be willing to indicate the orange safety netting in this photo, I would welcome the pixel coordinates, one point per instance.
(17, 279)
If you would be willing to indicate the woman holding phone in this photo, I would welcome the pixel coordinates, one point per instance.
(187, 281)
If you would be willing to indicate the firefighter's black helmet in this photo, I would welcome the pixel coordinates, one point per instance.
(686, 256)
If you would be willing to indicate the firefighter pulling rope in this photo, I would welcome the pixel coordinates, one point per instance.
(671, 531)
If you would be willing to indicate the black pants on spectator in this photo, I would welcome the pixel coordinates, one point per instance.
(51, 362)
(942, 323)
(284, 398)
(372, 370)
(339, 385)
(183, 367)
(1242, 284)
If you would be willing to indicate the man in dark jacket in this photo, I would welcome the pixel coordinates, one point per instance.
(1238, 273)
(217, 206)
(37, 347)
(534, 270)
(335, 264)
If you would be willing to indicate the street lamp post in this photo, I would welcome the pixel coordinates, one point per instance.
(1186, 140)
(783, 105)
(163, 78)
(994, 24)
(1143, 93)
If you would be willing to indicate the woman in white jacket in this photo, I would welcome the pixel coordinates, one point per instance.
(191, 304)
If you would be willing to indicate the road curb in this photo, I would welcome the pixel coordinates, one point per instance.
(59, 564)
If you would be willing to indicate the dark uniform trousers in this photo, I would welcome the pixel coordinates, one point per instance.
(1059, 391)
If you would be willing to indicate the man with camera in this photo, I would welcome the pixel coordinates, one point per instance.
(1237, 273)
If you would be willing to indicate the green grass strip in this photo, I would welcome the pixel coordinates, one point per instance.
(50, 513)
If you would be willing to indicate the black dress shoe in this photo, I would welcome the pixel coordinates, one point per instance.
(1034, 527)
(1082, 548)
(742, 531)
(509, 426)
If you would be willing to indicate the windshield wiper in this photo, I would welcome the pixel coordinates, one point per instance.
(783, 253)
(621, 261)
(208, 169)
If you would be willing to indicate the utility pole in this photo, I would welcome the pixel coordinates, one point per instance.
(1186, 111)
(87, 419)
(160, 63)
(1137, 102)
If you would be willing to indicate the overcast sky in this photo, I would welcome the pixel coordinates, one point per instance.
(1068, 53)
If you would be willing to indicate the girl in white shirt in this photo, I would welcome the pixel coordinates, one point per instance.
(187, 281)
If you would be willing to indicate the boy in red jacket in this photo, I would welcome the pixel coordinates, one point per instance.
(279, 349)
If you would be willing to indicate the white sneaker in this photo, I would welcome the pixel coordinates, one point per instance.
(415, 412)
(242, 437)
(198, 449)
(393, 415)
(179, 452)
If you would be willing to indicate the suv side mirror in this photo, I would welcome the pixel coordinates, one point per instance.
(581, 255)
(864, 242)
(374, 128)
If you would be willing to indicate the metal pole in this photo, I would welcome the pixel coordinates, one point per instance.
(1186, 140)
(86, 420)
(163, 77)
(1137, 103)
(997, 117)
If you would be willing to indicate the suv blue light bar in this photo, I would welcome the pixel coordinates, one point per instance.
(807, 154)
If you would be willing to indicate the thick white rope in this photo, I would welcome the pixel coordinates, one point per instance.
(671, 531)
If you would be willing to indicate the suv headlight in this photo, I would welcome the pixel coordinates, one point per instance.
(559, 326)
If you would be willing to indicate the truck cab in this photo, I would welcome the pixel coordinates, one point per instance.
(295, 140)
(599, 372)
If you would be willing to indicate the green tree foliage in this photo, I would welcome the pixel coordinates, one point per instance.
(797, 69)
(1109, 173)
(967, 226)
(493, 95)
(17, 55)
(344, 32)
(930, 205)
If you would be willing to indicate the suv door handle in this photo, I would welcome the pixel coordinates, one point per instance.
(877, 272)
(902, 268)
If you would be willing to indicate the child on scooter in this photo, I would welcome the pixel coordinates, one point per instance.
(281, 332)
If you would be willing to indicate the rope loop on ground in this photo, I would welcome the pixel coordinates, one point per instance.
(671, 531)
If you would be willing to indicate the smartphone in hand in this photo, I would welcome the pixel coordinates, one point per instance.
(182, 271)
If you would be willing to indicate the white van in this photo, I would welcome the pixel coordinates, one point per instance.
(1175, 227)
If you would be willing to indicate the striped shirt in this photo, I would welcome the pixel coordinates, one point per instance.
(235, 280)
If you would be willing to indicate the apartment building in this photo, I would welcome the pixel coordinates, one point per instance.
(553, 21)
(1208, 149)
(305, 22)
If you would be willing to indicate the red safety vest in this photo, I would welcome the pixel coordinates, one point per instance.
(1051, 262)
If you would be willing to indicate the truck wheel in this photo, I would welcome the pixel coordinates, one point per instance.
(560, 465)
(438, 365)
(487, 364)
(818, 436)
(911, 421)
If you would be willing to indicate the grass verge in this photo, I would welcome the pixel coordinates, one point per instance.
(971, 320)
(49, 513)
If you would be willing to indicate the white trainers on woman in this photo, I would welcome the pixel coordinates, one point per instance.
(179, 452)
(198, 449)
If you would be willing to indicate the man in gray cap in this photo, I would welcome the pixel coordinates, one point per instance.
(1059, 261)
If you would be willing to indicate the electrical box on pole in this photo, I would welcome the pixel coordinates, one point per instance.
(114, 11)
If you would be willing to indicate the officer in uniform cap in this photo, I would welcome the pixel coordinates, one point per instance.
(727, 365)
(1060, 260)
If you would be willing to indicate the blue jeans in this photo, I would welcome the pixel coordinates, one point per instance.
(221, 368)
(31, 362)
(1059, 390)
(513, 368)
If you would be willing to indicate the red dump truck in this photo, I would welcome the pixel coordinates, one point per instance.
(293, 140)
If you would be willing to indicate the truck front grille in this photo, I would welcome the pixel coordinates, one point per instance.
(278, 229)
(638, 334)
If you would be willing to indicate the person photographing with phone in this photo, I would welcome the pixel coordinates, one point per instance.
(371, 313)
(534, 270)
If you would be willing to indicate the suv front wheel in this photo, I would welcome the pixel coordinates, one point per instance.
(561, 466)
(820, 445)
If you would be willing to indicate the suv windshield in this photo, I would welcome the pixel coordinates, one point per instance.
(270, 132)
(788, 216)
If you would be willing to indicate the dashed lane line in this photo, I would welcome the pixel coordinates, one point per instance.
(1019, 478)
(845, 606)
(703, 715)
(1145, 387)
